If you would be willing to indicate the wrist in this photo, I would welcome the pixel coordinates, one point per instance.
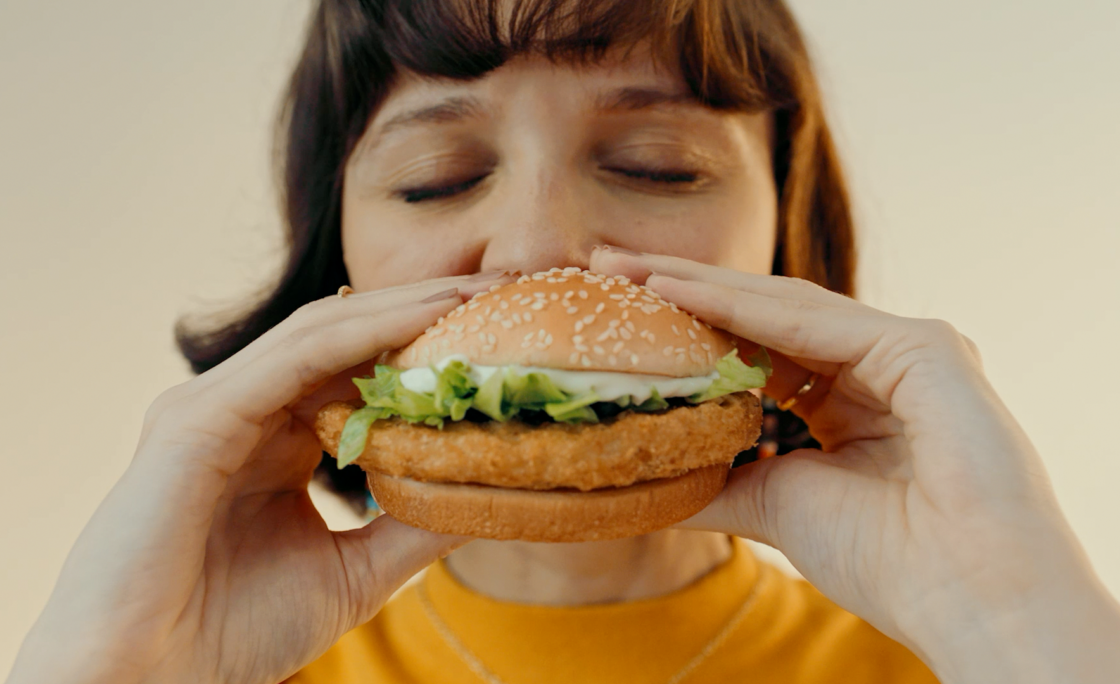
(1064, 632)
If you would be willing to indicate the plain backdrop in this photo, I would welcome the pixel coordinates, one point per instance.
(982, 140)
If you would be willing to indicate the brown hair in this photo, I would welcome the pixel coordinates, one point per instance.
(734, 54)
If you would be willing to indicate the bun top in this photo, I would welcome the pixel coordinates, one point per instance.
(573, 320)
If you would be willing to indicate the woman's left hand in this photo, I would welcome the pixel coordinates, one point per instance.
(927, 510)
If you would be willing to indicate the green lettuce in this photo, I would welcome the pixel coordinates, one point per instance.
(506, 394)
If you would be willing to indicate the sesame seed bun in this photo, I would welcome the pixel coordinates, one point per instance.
(572, 320)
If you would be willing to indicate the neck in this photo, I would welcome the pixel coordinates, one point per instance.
(589, 572)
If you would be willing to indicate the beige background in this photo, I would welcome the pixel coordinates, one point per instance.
(982, 139)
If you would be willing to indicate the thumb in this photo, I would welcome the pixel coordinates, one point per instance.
(378, 558)
(745, 508)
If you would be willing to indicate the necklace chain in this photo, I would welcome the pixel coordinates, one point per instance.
(485, 674)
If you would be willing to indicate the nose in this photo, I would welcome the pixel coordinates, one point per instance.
(541, 222)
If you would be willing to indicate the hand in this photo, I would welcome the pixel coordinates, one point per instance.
(927, 511)
(207, 561)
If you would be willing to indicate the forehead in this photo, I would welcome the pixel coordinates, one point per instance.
(620, 79)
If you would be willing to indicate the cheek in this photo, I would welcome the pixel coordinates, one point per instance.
(382, 250)
(732, 232)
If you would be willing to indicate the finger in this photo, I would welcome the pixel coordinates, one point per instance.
(331, 309)
(797, 328)
(638, 267)
(381, 556)
(310, 356)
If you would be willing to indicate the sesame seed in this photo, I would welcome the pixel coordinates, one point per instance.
(584, 360)
(634, 359)
(676, 330)
(482, 337)
(538, 305)
(625, 315)
(554, 269)
(507, 324)
(599, 307)
(554, 297)
(604, 287)
(674, 308)
(647, 298)
(574, 358)
(491, 339)
(539, 295)
(618, 347)
(548, 338)
(517, 318)
(643, 334)
(617, 296)
(573, 310)
(667, 351)
(589, 319)
(598, 350)
(527, 317)
(503, 305)
(473, 306)
(610, 281)
(604, 335)
(692, 334)
(695, 323)
(579, 326)
(622, 280)
(569, 294)
(629, 325)
(541, 333)
(494, 288)
(583, 294)
(523, 279)
(571, 270)
(614, 324)
(613, 360)
(528, 337)
(496, 316)
(527, 344)
(440, 320)
(625, 333)
(631, 296)
(681, 358)
(705, 346)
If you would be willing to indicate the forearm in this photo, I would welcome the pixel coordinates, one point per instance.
(1073, 635)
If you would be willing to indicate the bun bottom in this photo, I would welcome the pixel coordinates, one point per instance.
(548, 515)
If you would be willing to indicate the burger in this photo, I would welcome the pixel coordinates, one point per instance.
(566, 406)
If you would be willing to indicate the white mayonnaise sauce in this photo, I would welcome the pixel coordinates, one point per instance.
(607, 385)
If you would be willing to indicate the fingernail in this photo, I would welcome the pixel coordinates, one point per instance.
(621, 250)
(440, 296)
(489, 275)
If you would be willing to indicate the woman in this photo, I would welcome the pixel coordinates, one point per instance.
(431, 149)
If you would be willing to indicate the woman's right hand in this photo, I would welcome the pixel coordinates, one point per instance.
(207, 561)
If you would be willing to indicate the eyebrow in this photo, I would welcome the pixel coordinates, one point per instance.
(633, 99)
(456, 109)
(450, 110)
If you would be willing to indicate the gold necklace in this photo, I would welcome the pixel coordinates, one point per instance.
(482, 672)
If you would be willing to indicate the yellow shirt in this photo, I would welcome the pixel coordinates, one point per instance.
(791, 634)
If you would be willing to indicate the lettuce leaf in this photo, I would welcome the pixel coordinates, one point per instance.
(505, 394)
(736, 376)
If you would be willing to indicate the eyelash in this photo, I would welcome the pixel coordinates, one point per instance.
(416, 195)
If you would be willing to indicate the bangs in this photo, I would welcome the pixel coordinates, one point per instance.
(706, 41)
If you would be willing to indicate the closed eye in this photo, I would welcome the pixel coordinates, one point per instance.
(414, 195)
(657, 175)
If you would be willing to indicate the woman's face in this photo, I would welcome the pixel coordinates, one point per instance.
(534, 164)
